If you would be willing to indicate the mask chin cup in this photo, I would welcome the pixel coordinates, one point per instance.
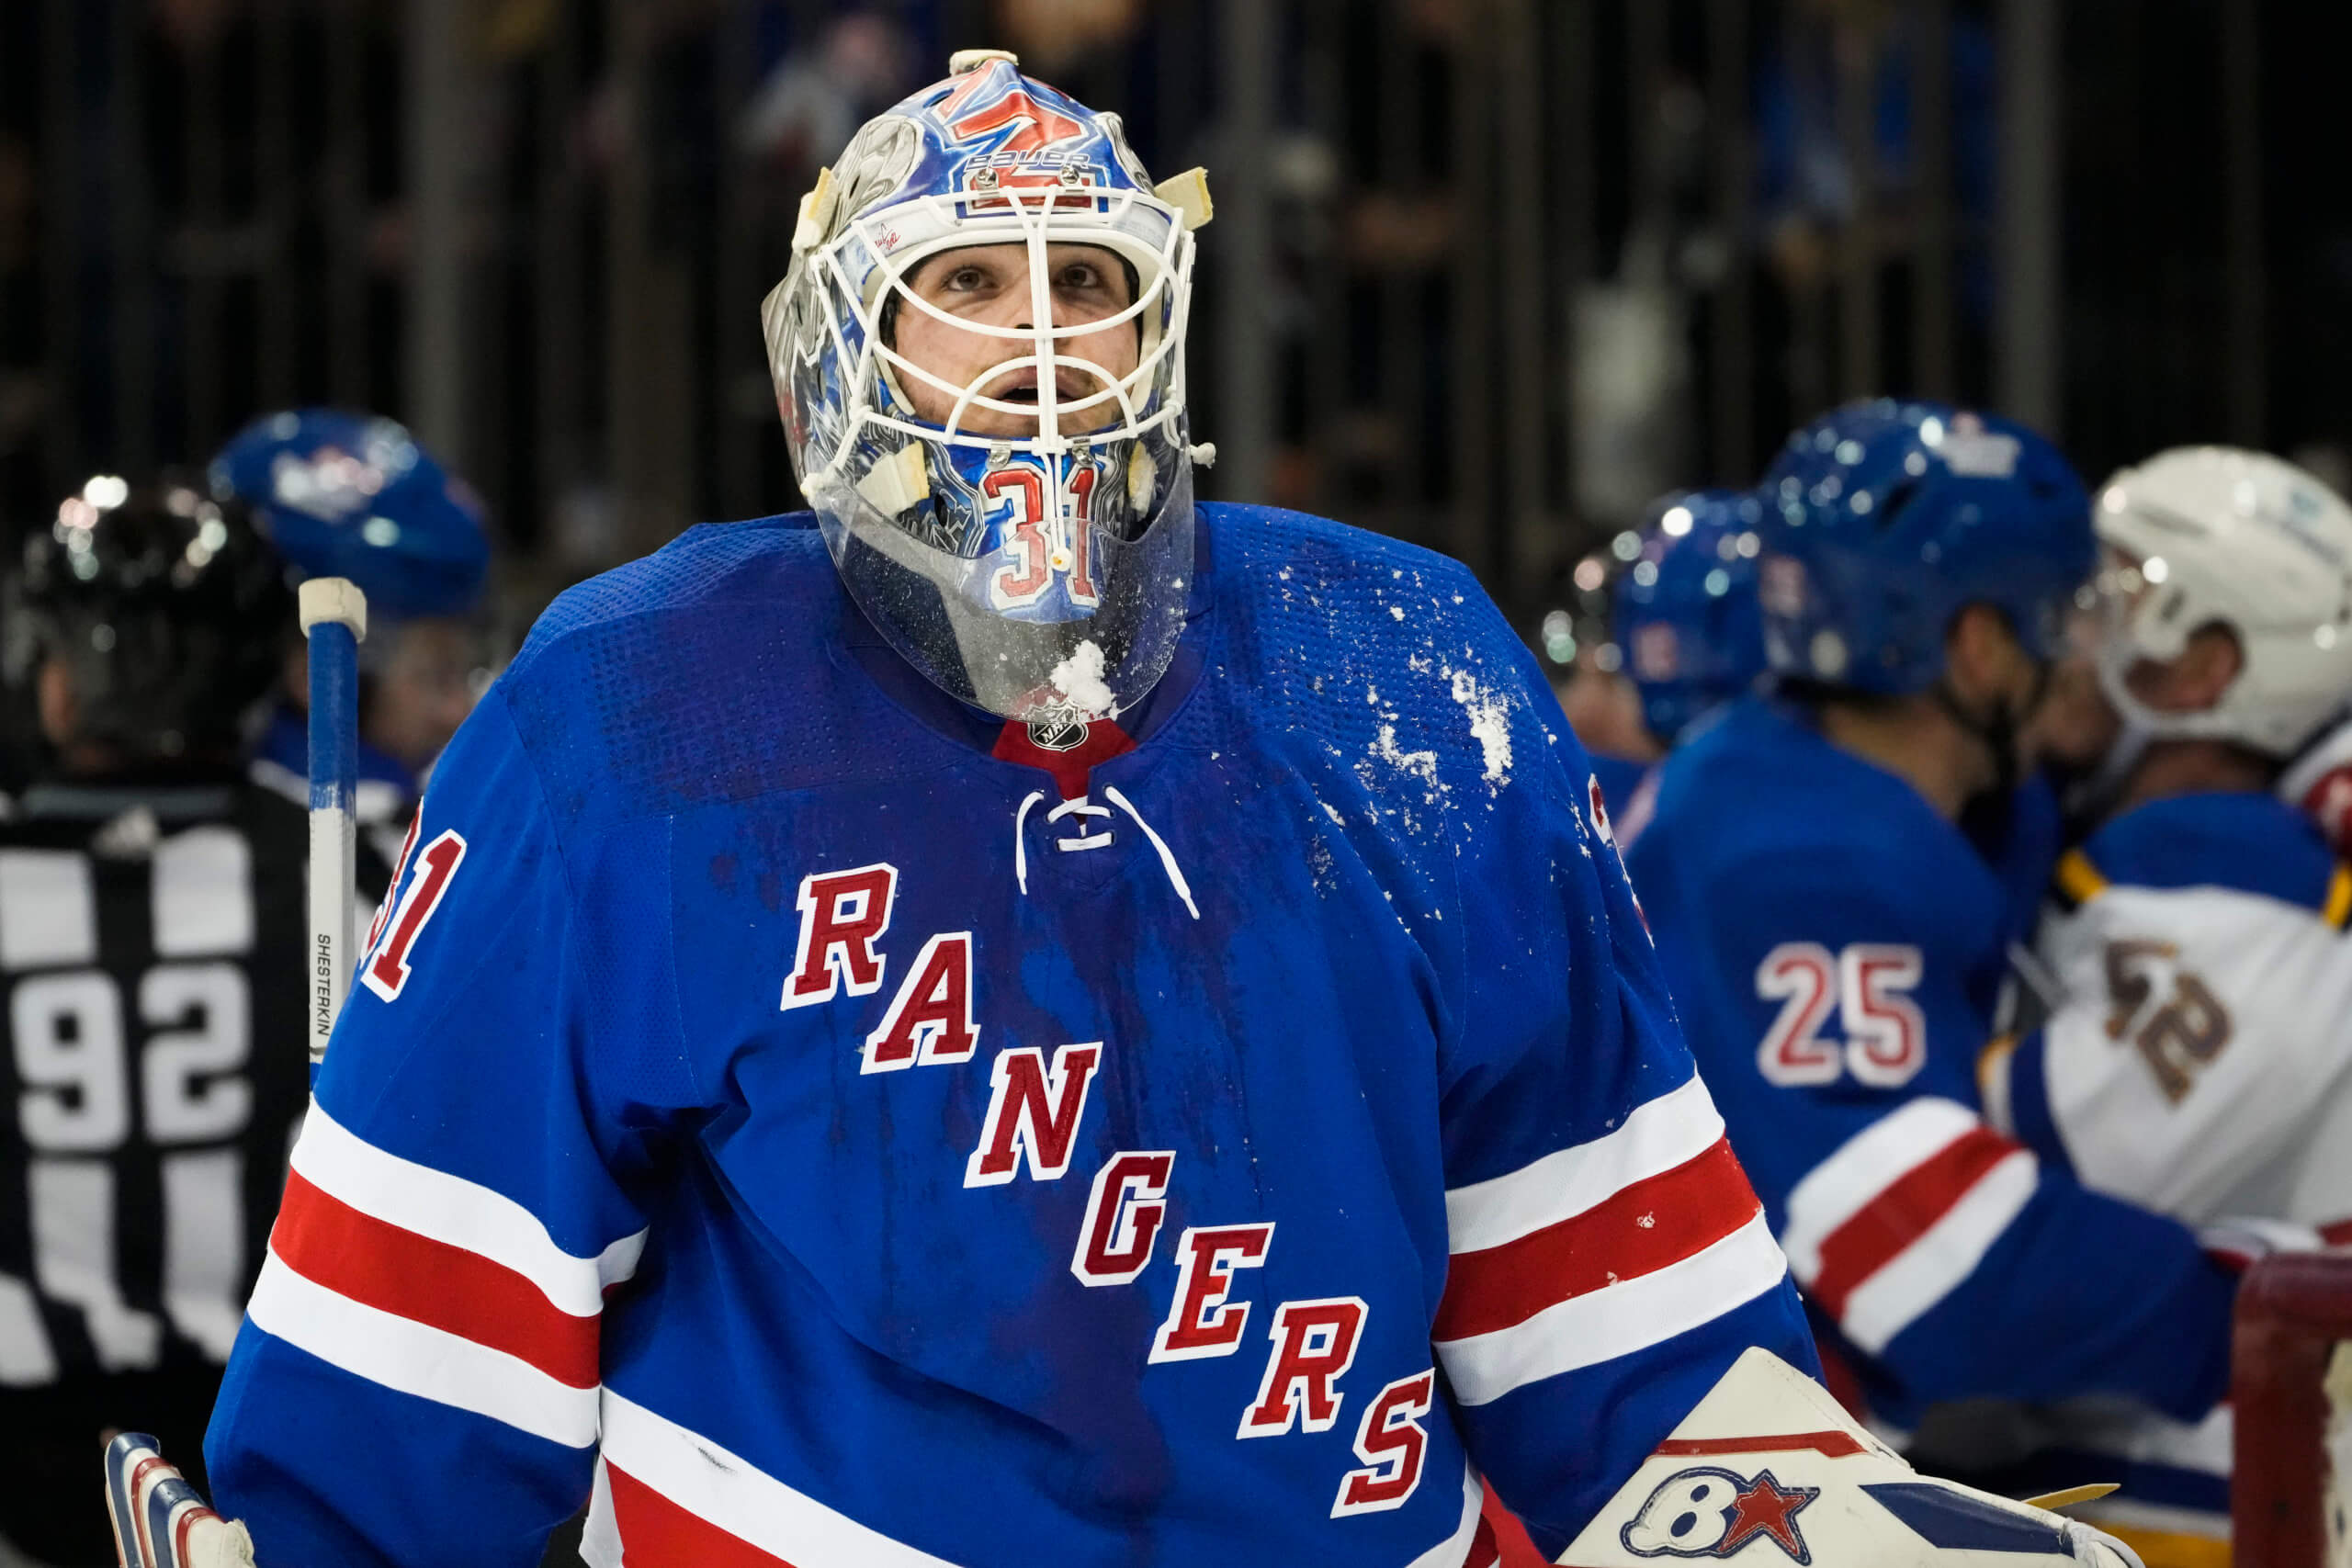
(1062, 660)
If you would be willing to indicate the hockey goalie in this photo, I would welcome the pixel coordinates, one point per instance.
(1020, 1019)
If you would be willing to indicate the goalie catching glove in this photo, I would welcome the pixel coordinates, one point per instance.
(1768, 1468)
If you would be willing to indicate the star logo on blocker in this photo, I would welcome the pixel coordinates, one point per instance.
(1766, 1508)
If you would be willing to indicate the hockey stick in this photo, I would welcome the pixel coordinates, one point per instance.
(334, 618)
(159, 1520)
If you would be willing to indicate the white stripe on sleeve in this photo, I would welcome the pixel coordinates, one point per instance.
(1618, 1319)
(1942, 1255)
(416, 1358)
(461, 1213)
(1864, 1166)
(1673, 1129)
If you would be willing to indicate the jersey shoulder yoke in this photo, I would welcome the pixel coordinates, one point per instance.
(713, 669)
(1761, 787)
(2244, 841)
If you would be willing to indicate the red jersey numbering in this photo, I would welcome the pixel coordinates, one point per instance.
(385, 968)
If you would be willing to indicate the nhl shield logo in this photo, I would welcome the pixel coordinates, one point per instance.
(1057, 732)
(1708, 1511)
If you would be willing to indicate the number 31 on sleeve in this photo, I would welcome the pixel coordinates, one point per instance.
(1868, 984)
(384, 967)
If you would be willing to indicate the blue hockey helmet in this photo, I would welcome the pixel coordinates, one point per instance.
(1024, 538)
(1684, 613)
(1883, 520)
(354, 495)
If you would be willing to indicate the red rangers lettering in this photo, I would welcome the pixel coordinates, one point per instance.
(1391, 1442)
(1123, 1218)
(1201, 1323)
(1314, 1344)
(1032, 1111)
(931, 1018)
(842, 913)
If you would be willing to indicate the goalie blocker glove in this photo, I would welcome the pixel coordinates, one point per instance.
(1768, 1471)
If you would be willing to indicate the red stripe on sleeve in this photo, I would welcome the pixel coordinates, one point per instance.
(1482, 1548)
(1501, 1540)
(1638, 1230)
(1898, 1217)
(654, 1530)
(358, 1257)
(1834, 1445)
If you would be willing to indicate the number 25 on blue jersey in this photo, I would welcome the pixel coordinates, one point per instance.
(1868, 984)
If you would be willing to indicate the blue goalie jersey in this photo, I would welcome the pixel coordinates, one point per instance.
(817, 1125)
(1838, 950)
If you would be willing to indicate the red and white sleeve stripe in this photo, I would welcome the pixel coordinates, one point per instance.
(435, 1286)
(1902, 1212)
(1600, 1250)
(666, 1493)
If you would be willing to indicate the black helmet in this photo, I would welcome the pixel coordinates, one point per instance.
(168, 610)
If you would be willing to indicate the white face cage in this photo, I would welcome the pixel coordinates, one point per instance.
(834, 303)
(1144, 399)
(903, 500)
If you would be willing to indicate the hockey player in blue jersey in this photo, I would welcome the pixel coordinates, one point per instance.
(354, 495)
(1683, 616)
(1022, 1019)
(1836, 943)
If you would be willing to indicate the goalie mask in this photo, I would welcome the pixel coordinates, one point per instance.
(1023, 536)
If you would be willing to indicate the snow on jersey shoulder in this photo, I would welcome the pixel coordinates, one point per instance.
(1392, 655)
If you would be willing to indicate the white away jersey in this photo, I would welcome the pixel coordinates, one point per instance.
(2198, 1056)
(2197, 1061)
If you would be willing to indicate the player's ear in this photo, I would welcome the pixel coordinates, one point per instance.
(1981, 654)
(2205, 667)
